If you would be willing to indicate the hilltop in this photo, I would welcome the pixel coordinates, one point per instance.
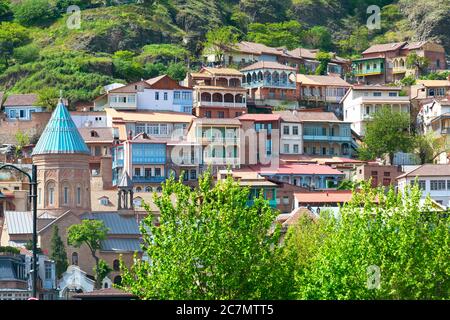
(128, 40)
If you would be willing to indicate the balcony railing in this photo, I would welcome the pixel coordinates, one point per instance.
(274, 84)
(117, 163)
(150, 179)
(327, 138)
(220, 104)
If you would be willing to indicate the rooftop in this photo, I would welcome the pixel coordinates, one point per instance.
(260, 117)
(29, 99)
(332, 196)
(428, 170)
(222, 71)
(258, 49)
(305, 169)
(322, 80)
(61, 136)
(384, 47)
(19, 222)
(102, 134)
(149, 116)
(434, 83)
(318, 116)
(268, 65)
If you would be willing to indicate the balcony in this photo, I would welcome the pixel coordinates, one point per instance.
(117, 163)
(327, 138)
(148, 179)
(272, 84)
(396, 70)
(180, 101)
(220, 104)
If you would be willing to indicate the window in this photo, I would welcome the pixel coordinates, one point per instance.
(208, 114)
(422, 185)
(75, 259)
(185, 175)
(12, 113)
(138, 189)
(116, 265)
(295, 148)
(392, 94)
(48, 270)
(51, 195)
(176, 95)
(165, 96)
(437, 185)
(386, 181)
(157, 172)
(295, 130)
(163, 129)
(78, 195)
(367, 110)
(137, 171)
(193, 174)
(374, 173)
(140, 127)
(148, 172)
(221, 114)
(286, 148)
(104, 201)
(377, 94)
(131, 99)
(285, 129)
(187, 109)
(156, 95)
(285, 200)
(66, 195)
(22, 113)
(387, 174)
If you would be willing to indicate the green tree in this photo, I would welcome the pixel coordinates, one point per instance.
(408, 81)
(29, 12)
(58, 254)
(126, 67)
(89, 233)
(12, 35)
(48, 98)
(5, 9)
(386, 133)
(102, 270)
(324, 59)
(318, 37)
(263, 11)
(22, 139)
(418, 63)
(287, 34)
(218, 41)
(209, 245)
(177, 71)
(428, 147)
(390, 233)
(27, 53)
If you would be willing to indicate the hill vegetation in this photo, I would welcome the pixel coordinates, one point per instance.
(120, 41)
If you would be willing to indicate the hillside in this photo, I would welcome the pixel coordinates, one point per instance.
(122, 42)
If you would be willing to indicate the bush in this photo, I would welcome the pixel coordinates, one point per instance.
(26, 53)
(29, 12)
(9, 249)
(177, 71)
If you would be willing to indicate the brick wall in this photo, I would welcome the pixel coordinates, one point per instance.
(33, 127)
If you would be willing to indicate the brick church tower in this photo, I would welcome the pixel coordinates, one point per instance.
(62, 160)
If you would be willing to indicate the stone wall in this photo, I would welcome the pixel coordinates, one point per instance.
(33, 127)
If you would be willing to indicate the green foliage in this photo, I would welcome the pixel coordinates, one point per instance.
(102, 270)
(263, 11)
(125, 67)
(9, 249)
(58, 254)
(12, 35)
(90, 233)
(27, 53)
(318, 37)
(436, 76)
(22, 139)
(5, 9)
(48, 98)
(152, 70)
(177, 71)
(428, 147)
(357, 42)
(29, 12)
(287, 34)
(164, 53)
(417, 62)
(219, 40)
(407, 241)
(347, 185)
(386, 133)
(408, 80)
(324, 58)
(209, 245)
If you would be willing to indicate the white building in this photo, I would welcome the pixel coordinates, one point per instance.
(433, 179)
(361, 102)
(89, 119)
(291, 137)
(435, 117)
(157, 94)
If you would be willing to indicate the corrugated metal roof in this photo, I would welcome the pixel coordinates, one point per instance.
(19, 222)
(116, 223)
(121, 245)
(60, 135)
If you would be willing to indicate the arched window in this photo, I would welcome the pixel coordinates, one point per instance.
(65, 195)
(105, 285)
(148, 189)
(138, 189)
(159, 189)
(51, 193)
(94, 134)
(78, 195)
(228, 97)
(75, 259)
(249, 78)
(206, 97)
(217, 97)
(118, 280)
(116, 265)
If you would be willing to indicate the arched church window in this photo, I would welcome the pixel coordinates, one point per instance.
(116, 265)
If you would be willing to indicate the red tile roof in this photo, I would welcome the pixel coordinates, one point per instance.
(260, 117)
(334, 196)
(268, 65)
(29, 99)
(310, 169)
(426, 170)
(385, 47)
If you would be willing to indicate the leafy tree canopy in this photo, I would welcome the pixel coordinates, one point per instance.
(287, 34)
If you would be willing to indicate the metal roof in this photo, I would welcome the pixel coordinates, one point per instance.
(19, 222)
(60, 135)
(121, 245)
(116, 223)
